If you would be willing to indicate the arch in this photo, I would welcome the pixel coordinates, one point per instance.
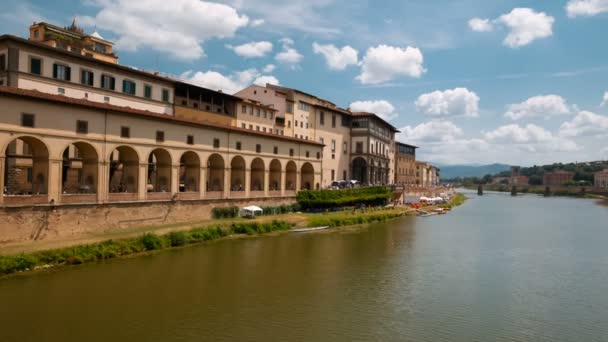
(26, 168)
(159, 171)
(257, 175)
(189, 172)
(291, 174)
(275, 175)
(79, 169)
(307, 176)
(359, 172)
(237, 174)
(215, 173)
(124, 170)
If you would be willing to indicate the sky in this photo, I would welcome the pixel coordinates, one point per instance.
(468, 81)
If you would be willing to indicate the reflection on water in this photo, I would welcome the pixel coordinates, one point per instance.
(497, 269)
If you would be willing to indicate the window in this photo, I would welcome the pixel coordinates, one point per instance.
(289, 124)
(258, 148)
(321, 140)
(82, 126)
(147, 91)
(359, 147)
(244, 109)
(289, 108)
(108, 82)
(322, 118)
(250, 126)
(345, 148)
(190, 140)
(61, 72)
(160, 136)
(257, 128)
(307, 154)
(318, 155)
(106, 99)
(296, 122)
(27, 120)
(243, 125)
(36, 66)
(301, 124)
(238, 145)
(2, 62)
(257, 112)
(307, 125)
(86, 77)
(275, 150)
(304, 106)
(271, 115)
(165, 95)
(61, 91)
(333, 145)
(333, 121)
(291, 152)
(216, 143)
(125, 132)
(333, 175)
(251, 110)
(344, 175)
(265, 114)
(128, 87)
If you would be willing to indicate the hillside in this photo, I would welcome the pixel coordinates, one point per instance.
(453, 171)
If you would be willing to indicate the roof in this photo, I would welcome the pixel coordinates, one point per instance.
(404, 144)
(367, 114)
(11, 91)
(602, 171)
(71, 32)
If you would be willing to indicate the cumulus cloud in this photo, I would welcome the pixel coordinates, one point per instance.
(177, 28)
(585, 124)
(605, 100)
(481, 25)
(336, 58)
(432, 131)
(525, 26)
(252, 49)
(228, 84)
(257, 22)
(269, 68)
(587, 8)
(384, 63)
(529, 138)
(450, 102)
(538, 106)
(382, 108)
(289, 55)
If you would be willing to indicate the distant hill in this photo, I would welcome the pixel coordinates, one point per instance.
(453, 171)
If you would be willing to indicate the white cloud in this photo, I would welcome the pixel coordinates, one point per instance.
(382, 108)
(432, 131)
(481, 25)
(384, 63)
(257, 22)
(450, 102)
(516, 134)
(587, 8)
(605, 100)
(526, 26)
(177, 28)
(337, 59)
(269, 68)
(538, 106)
(228, 84)
(252, 49)
(289, 55)
(585, 124)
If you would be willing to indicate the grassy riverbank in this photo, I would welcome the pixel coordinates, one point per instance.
(179, 236)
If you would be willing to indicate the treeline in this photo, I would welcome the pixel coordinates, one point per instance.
(327, 199)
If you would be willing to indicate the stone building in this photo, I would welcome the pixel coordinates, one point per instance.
(600, 179)
(405, 164)
(559, 177)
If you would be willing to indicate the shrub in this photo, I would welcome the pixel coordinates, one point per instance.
(323, 199)
(151, 242)
(177, 239)
(225, 212)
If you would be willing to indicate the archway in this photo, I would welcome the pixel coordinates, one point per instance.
(307, 176)
(189, 172)
(159, 171)
(257, 175)
(275, 175)
(237, 174)
(360, 170)
(124, 170)
(26, 167)
(215, 173)
(79, 169)
(291, 172)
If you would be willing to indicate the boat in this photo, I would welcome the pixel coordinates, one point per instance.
(312, 229)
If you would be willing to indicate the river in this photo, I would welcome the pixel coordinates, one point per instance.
(498, 268)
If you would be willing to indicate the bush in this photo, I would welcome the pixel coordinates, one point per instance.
(325, 199)
(151, 242)
(177, 239)
(17, 263)
(225, 212)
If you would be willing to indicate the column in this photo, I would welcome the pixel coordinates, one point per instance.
(266, 182)
(2, 165)
(227, 182)
(202, 182)
(142, 182)
(247, 182)
(283, 181)
(103, 181)
(174, 179)
(54, 180)
(298, 181)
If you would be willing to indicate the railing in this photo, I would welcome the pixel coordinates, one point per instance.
(159, 195)
(78, 198)
(26, 199)
(274, 193)
(123, 196)
(214, 194)
(190, 195)
(237, 194)
(256, 194)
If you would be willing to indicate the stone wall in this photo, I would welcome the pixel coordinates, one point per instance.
(46, 222)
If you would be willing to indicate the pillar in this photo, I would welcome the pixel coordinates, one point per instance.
(54, 180)
(226, 183)
(298, 181)
(2, 166)
(103, 181)
(266, 182)
(283, 181)
(174, 179)
(202, 182)
(247, 182)
(142, 181)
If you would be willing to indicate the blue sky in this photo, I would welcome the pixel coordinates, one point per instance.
(469, 81)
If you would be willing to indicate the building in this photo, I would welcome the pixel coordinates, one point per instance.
(600, 179)
(405, 164)
(559, 177)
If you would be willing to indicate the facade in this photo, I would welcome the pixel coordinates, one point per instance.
(558, 177)
(600, 179)
(427, 175)
(405, 164)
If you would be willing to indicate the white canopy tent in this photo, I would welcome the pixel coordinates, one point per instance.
(251, 211)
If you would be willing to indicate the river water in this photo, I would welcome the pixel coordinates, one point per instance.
(496, 269)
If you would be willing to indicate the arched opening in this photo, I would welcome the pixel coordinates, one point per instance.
(275, 175)
(159, 171)
(189, 172)
(124, 170)
(26, 168)
(215, 173)
(291, 172)
(307, 176)
(257, 175)
(360, 170)
(237, 174)
(79, 169)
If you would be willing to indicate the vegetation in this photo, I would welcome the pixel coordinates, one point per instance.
(351, 218)
(225, 212)
(325, 199)
(280, 209)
